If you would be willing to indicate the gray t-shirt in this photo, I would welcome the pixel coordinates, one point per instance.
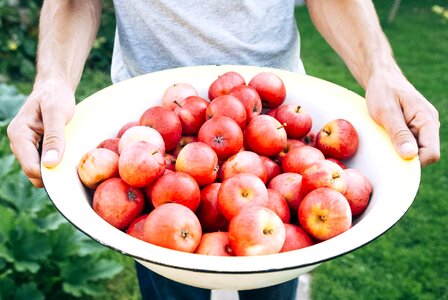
(155, 35)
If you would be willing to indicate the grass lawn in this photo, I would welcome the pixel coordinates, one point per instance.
(409, 262)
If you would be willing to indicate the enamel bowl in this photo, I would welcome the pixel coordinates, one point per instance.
(101, 115)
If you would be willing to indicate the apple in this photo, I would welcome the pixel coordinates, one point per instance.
(250, 99)
(215, 243)
(298, 159)
(126, 127)
(117, 202)
(228, 106)
(278, 204)
(290, 143)
(141, 133)
(166, 122)
(173, 226)
(111, 144)
(176, 187)
(140, 164)
(338, 139)
(177, 92)
(170, 161)
(208, 212)
(298, 121)
(256, 231)
(325, 213)
(135, 229)
(289, 185)
(296, 238)
(324, 173)
(272, 168)
(244, 162)
(310, 138)
(265, 135)
(224, 83)
(96, 166)
(200, 161)
(222, 134)
(358, 191)
(191, 113)
(270, 88)
(185, 140)
(241, 190)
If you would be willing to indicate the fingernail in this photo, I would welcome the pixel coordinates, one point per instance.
(408, 149)
(51, 157)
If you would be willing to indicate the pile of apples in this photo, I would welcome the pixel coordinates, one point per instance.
(240, 173)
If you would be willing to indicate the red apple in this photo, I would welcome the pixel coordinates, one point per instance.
(200, 161)
(173, 226)
(228, 106)
(126, 127)
(176, 187)
(222, 134)
(244, 162)
(185, 140)
(358, 192)
(256, 231)
(135, 229)
(250, 99)
(241, 190)
(289, 185)
(270, 87)
(298, 121)
(191, 113)
(278, 204)
(208, 211)
(140, 164)
(141, 133)
(224, 83)
(215, 243)
(111, 144)
(272, 168)
(298, 159)
(265, 135)
(324, 173)
(310, 139)
(96, 166)
(290, 143)
(177, 92)
(325, 213)
(117, 202)
(296, 238)
(166, 122)
(338, 139)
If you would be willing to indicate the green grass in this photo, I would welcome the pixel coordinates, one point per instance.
(409, 261)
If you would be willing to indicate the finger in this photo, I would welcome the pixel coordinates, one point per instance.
(53, 141)
(28, 157)
(429, 143)
(37, 182)
(401, 136)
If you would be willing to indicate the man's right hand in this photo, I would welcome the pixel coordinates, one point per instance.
(43, 116)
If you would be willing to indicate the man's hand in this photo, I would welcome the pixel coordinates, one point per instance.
(44, 115)
(411, 121)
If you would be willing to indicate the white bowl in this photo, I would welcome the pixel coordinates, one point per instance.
(101, 115)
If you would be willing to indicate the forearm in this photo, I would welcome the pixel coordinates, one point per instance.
(353, 30)
(67, 30)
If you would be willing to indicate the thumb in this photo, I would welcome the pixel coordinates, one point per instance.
(53, 143)
(402, 138)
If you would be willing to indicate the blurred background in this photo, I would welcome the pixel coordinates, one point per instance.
(44, 257)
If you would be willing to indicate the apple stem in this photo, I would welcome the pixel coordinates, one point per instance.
(177, 103)
(326, 131)
(268, 231)
(298, 108)
(323, 218)
(184, 234)
(282, 126)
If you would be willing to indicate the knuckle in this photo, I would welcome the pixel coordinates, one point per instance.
(52, 138)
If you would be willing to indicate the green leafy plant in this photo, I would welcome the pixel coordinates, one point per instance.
(42, 256)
